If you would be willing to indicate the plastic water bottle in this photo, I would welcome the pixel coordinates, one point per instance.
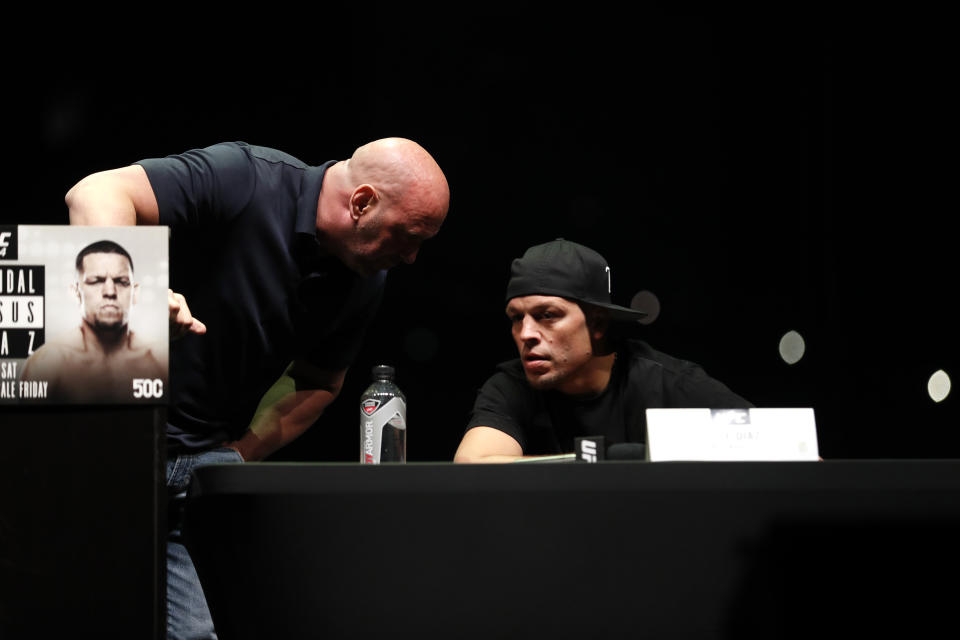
(383, 419)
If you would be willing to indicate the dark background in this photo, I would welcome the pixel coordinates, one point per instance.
(760, 170)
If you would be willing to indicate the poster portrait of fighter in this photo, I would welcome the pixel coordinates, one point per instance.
(87, 308)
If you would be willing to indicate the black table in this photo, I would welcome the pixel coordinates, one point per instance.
(615, 549)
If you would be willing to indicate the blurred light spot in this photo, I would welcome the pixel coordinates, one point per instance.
(938, 386)
(792, 347)
(421, 344)
(646, 301)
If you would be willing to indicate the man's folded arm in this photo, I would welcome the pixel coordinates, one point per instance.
(290, 407)
(486, 444)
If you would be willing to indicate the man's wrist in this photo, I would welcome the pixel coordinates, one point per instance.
(237, 446)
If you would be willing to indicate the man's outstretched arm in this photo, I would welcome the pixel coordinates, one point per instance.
(124, 197)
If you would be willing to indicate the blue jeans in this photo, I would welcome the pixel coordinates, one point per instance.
(188, 617)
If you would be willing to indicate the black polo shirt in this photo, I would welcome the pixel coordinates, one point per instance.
(244, 253)
(547, 422)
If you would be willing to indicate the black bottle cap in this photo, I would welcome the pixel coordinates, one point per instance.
(383, 371)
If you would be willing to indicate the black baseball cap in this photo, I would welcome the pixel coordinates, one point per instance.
(569, 270)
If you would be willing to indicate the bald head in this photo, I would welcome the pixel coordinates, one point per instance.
(404, 173)
(377, 207)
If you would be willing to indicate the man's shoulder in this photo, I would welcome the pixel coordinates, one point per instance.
(50, 358)
(271, 155)
(510, 369)
(222, 156)
(686, 383)
(64, 342)
(644, 355)
(509, 380)
(238, 149)
(507, 373)
(140, 347)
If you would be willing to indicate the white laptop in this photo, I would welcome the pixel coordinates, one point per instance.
(731, 434)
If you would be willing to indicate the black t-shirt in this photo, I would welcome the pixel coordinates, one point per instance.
(245, 256)
(546, 422)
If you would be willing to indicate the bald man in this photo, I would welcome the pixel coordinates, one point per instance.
(277, 268)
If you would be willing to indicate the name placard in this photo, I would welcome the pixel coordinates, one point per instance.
(731, 434)
(83, 314)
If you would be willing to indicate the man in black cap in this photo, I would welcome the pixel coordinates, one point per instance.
(577, 374)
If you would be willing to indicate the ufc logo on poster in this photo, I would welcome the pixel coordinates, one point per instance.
(8, 242)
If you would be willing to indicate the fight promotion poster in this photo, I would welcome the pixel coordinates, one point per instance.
(83, 314)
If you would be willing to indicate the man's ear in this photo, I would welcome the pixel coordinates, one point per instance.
(598, 323)
(362, 198)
